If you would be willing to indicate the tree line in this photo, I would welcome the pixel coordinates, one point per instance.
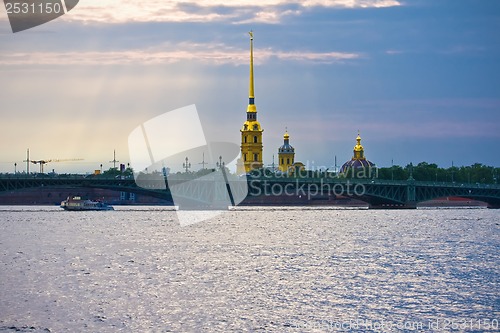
(423, 171)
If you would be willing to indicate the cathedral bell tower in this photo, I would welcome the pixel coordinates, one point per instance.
(286, 154)
(251, 132)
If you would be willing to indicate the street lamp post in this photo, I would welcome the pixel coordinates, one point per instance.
(186, 165)
(15, 168)
(452, 171)
(220, 164)
(392, 169)
(411, 171)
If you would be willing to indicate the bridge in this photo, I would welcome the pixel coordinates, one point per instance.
(376, 192)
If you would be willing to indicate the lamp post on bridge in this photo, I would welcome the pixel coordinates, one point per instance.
(410, 178)
(15, 168)
(220, 164)
(392, 169)
(186, 165)
(452, 171)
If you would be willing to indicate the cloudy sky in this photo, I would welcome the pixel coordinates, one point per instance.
(419, 79)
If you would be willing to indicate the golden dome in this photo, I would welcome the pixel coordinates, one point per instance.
(358, 149)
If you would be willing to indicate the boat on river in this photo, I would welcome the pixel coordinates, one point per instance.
(76, 203)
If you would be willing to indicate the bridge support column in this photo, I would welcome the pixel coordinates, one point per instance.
(410, 205)
(406, 205)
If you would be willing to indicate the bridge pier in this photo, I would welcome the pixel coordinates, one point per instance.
(406, 205)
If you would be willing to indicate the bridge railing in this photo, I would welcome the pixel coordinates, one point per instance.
(58, 176)
(268, 178)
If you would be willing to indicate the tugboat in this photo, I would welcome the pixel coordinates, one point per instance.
(76, 203)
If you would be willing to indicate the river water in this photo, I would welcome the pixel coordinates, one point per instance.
(276, 269)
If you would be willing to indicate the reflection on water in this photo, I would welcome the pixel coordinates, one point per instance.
(294, 269)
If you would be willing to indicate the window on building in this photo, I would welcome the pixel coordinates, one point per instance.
(245, 155)
(255, 139)
(245, 139)
(282, 161)
(256, 157)
(288, 161)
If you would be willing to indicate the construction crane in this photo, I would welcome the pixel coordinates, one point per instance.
(43, 162)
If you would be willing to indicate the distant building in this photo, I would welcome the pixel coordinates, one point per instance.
(358, 166)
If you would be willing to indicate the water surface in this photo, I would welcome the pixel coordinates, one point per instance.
(255, 269)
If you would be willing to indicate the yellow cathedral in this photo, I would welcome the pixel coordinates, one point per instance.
(251, 132)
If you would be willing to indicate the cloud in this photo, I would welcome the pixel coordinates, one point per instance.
(442, 129)
(435, 104)
(236, 11)
(393, 52)
(172, 53)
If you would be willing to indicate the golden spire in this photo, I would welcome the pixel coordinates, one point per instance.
(358, 149)
(251, 94)
(286, 136)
